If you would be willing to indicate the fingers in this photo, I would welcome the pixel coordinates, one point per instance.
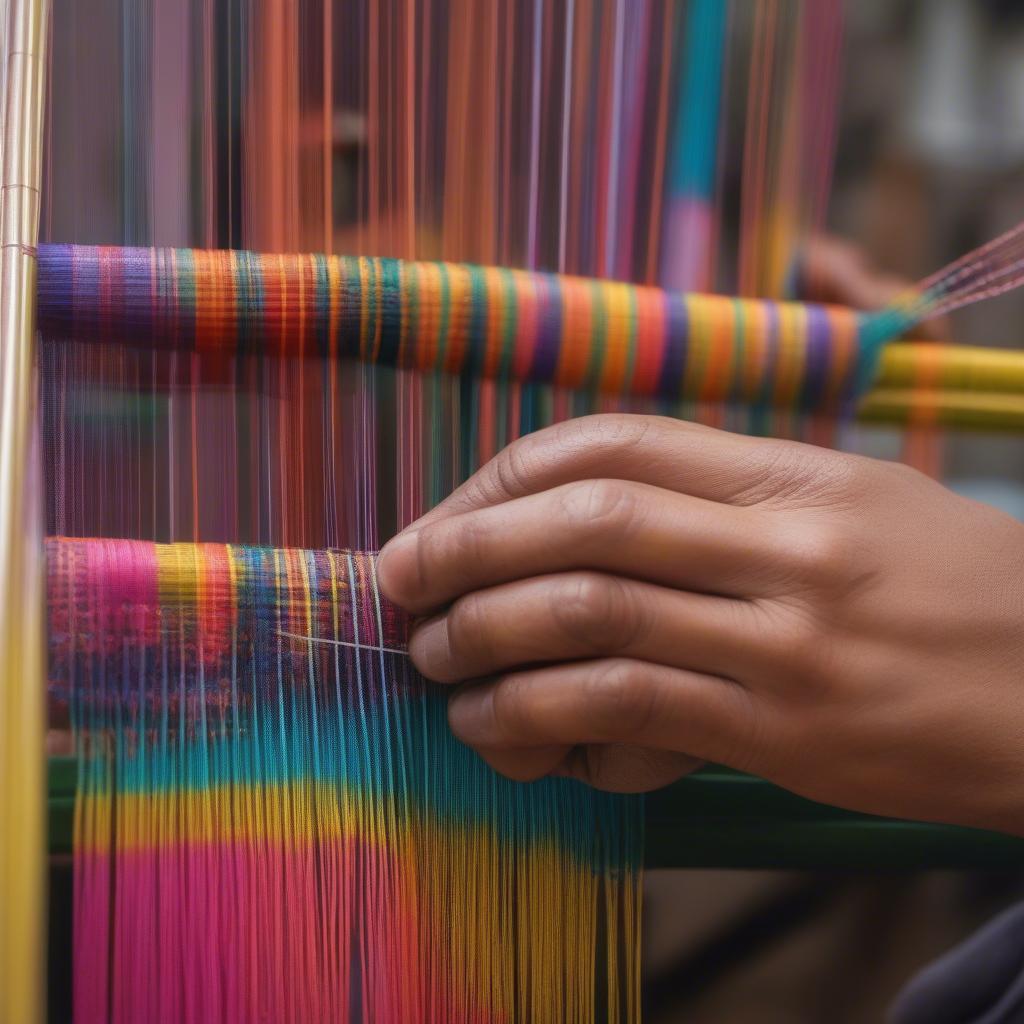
(630, 529)
(626, 767)
(834, 271)
(682, 457)
(614, 767)
(588, 615)
(614, 700)
(525, 764)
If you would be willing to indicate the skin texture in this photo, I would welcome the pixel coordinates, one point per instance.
(619, 598)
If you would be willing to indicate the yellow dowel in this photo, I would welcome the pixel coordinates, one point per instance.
(972, 410)
(22, 778)
(907, 365)
(957, 386)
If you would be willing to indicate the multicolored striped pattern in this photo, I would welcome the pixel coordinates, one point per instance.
(274, 822)
(576, 333)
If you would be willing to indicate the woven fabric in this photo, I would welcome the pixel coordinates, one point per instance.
(274, 822)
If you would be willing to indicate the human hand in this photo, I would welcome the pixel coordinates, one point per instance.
(638, 595)
(835, 271)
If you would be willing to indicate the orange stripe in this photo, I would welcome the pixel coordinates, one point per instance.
(495, 293)
(650, 340)
(577, 331)
(459, 315)
(617, 337)
(721, 354)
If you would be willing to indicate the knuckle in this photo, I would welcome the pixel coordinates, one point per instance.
(846, 476)
(803, 639)
(767, 470)
(824, 556)
(467, 627)
(909, 474)
(594, 611)
(516, 470)
(619, 701)
(442, 549)
(777, 472)
(799, 648)
(800, 644)
(511, 708)
(604, 506)
(446, 545)
(617, 430)
(753, 749)
(511, 470)
(431, 544)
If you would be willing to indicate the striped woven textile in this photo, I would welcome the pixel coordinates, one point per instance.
(275, 824)
(577, 333)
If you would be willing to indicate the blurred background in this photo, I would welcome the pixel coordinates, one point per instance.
(930, 164)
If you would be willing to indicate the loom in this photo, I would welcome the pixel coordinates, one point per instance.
(245, 719)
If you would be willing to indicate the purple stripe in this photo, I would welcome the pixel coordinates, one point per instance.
(549, 329)
(817, 358)
(673, 359)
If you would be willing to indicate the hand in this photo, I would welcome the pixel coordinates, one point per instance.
(833, 270)
(638, 595)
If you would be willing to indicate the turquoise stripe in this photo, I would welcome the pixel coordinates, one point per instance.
(363, 752)
(695, 134)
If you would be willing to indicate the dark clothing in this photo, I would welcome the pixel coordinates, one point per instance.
(980, 981)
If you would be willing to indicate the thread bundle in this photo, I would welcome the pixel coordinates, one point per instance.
(574, 333)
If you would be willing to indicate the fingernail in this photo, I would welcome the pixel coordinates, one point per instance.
(428, 646)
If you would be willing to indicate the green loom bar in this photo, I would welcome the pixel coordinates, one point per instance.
(718, 818)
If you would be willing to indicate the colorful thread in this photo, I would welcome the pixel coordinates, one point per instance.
(574, 333)
(271, 828)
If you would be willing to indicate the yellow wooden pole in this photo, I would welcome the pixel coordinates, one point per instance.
(968, 410)
(22, 767)
(906, 365)
(956, 386)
